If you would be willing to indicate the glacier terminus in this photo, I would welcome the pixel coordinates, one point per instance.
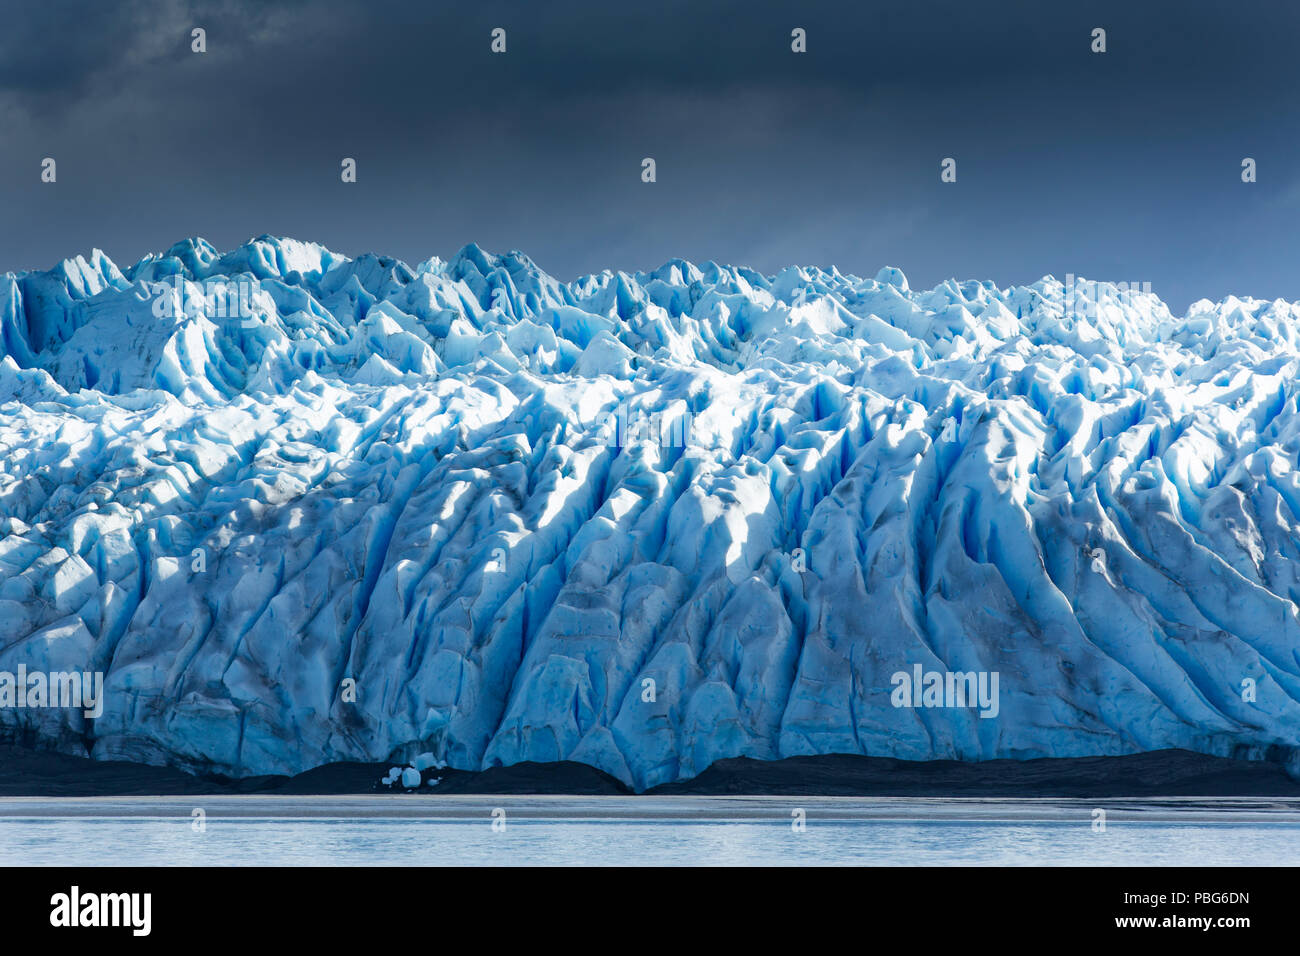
(299, 508)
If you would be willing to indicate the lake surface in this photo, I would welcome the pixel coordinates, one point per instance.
(613, 831)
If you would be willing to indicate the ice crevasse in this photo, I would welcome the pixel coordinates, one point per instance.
(642, 521)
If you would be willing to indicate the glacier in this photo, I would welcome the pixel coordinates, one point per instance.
(469, 513)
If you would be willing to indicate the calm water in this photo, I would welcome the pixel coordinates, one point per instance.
(387, 830)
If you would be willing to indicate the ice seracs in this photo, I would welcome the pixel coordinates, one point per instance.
(406, 478)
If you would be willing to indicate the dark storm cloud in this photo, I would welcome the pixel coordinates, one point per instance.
(1119, 166)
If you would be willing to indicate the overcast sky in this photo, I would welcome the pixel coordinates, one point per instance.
(1120, 166)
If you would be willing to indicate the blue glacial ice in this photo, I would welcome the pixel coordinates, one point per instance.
(468, 513)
